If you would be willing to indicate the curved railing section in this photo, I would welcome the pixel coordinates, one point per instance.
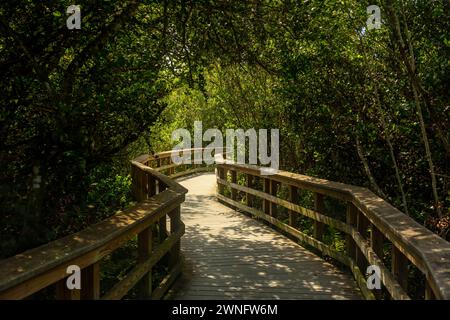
(46, 266)
(375, 233)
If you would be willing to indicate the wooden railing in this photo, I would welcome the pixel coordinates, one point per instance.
(46, 266)
(162, 162)
(374, 232)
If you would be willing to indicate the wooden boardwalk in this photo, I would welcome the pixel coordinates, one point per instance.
(231, 256)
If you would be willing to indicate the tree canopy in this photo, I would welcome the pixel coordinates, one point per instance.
(366, 107)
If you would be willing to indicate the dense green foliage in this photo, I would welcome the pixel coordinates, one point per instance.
(366, 107)
(352, 105)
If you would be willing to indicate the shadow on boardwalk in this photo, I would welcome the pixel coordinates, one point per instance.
(228, 255)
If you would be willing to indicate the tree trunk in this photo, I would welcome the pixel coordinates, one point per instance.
(407, 55)
(365, 163)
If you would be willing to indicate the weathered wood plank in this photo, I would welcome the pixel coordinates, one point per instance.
(416, 242)
(225, 248)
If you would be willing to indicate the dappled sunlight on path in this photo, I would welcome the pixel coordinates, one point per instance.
(231, 256)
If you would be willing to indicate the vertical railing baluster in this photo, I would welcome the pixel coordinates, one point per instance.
(134, 189)
(399, 267)
(352, 211)
(293, 198)
(319, 206)
(249, 197)
(233, 180)
(64, 293)
(144, 252)
(377, 244)
(90, 282)
(158, 162)
(273, 192)
(144, 185)
(175, 223)
(361, 225)
(151, 186)
(376, 241)
(266, 189)
(162, 223)
(221, 172)
(429, 294)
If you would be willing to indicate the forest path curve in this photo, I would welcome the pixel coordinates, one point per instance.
(228, 255)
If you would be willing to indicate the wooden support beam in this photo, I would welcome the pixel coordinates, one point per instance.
(429, 294)
(175, 224)
(64, 293)
(151, 186)
(249, 197)
(266, 189)
(293, 197)
(221, 173)
(399, 267)
(273, 191)
(319, 206)
(377, 241)
(233, 180)
(144, 185)
(377, 244)
(144, 252)
(162, 229)
(161, 186)
(90, 282)
(351, 214)
(361, 226)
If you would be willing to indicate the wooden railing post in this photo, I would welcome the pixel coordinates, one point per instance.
(319, 206)
(400, 267)
(144, 185)
(64, 293)
(222, 174)
(273, 191)
(162, 223)
(233, 180)
(377, 243)
(139, 184)
(158, 162)
(151, 186)
(293, 198)
(386, 224)
(134, 186)
(144, 252)
(429, 294)
(90, 282)
(249, 197)
(361, 225)
(175, 224)
(352, 211)
(266, 189)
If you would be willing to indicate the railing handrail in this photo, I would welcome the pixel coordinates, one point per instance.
(429, 252)
(46, 264)
(177, 151)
